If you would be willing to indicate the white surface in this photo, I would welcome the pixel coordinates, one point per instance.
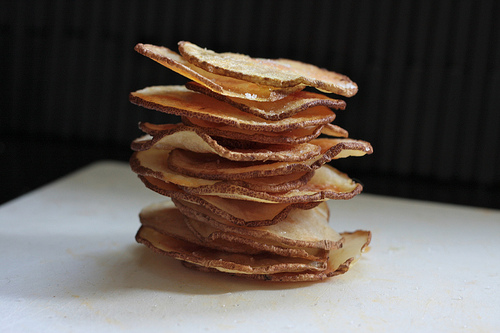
(69, 262)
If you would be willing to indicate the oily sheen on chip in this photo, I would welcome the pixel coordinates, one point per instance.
(247, 171)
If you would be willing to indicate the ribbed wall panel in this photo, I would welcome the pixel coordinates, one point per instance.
(428, 71)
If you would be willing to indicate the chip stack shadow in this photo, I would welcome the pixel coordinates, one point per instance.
(246, 169)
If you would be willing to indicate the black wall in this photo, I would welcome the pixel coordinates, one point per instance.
(428, 72)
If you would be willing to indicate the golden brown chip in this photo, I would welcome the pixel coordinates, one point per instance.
(196, 140)
(322, 79)
(224, 261)
(278, 73)
(221, 84)
(239, 212)
(210, 166)
(182, 102)
(327, 183)
(339, 262)
(277, 110)
(334, 130)
(300, 229)
(153, 163)
(295, 136)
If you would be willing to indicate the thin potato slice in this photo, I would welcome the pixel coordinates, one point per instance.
(196, 140)
(166, 219)
(327, 183)
(300, 229)
(340, 262)
(179, 101)
(238, 212)
(152, 163)
(223, 261)
(277, 110)
(277, 73)
(209, 235)
(295, 136)
(335, 131)
(210, 166)
(221, 84)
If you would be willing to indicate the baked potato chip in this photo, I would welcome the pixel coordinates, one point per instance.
(277, 110)
(152, 163)
(300, 229)
(239, 263)
(196, 140)
(327, 183)
(291, 137)
(239, 212)
(221, 84)
(211, 235)
(166, 219)
(211, 166)
(179, 101)
(278, 73)
(339, 262)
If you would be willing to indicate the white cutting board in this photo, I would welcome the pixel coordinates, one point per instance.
(69, 262)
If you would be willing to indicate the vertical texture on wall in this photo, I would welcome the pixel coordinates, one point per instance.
(428, 71)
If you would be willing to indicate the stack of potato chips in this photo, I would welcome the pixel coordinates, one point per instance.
(246, 169)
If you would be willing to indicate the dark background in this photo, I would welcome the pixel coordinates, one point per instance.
(428, 72)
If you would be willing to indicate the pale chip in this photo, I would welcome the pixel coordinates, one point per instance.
(340, 262)
(196, 140)
(212, 236)
(300, 229)
(223, 261)
(152, 163)
(239, 212)
(166, 219)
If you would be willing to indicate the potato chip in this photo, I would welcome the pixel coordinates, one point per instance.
(221, 84)
(300, 229)
(334, 130)
(210, 166)
(278, 73)
(224, 261)
(166, 219)
(152, 163)
(239, 212)
(212, 236)
(277, 110)
(179, 101)
(196, 140)
(327, 183)
(291, 137)
(339, 262)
